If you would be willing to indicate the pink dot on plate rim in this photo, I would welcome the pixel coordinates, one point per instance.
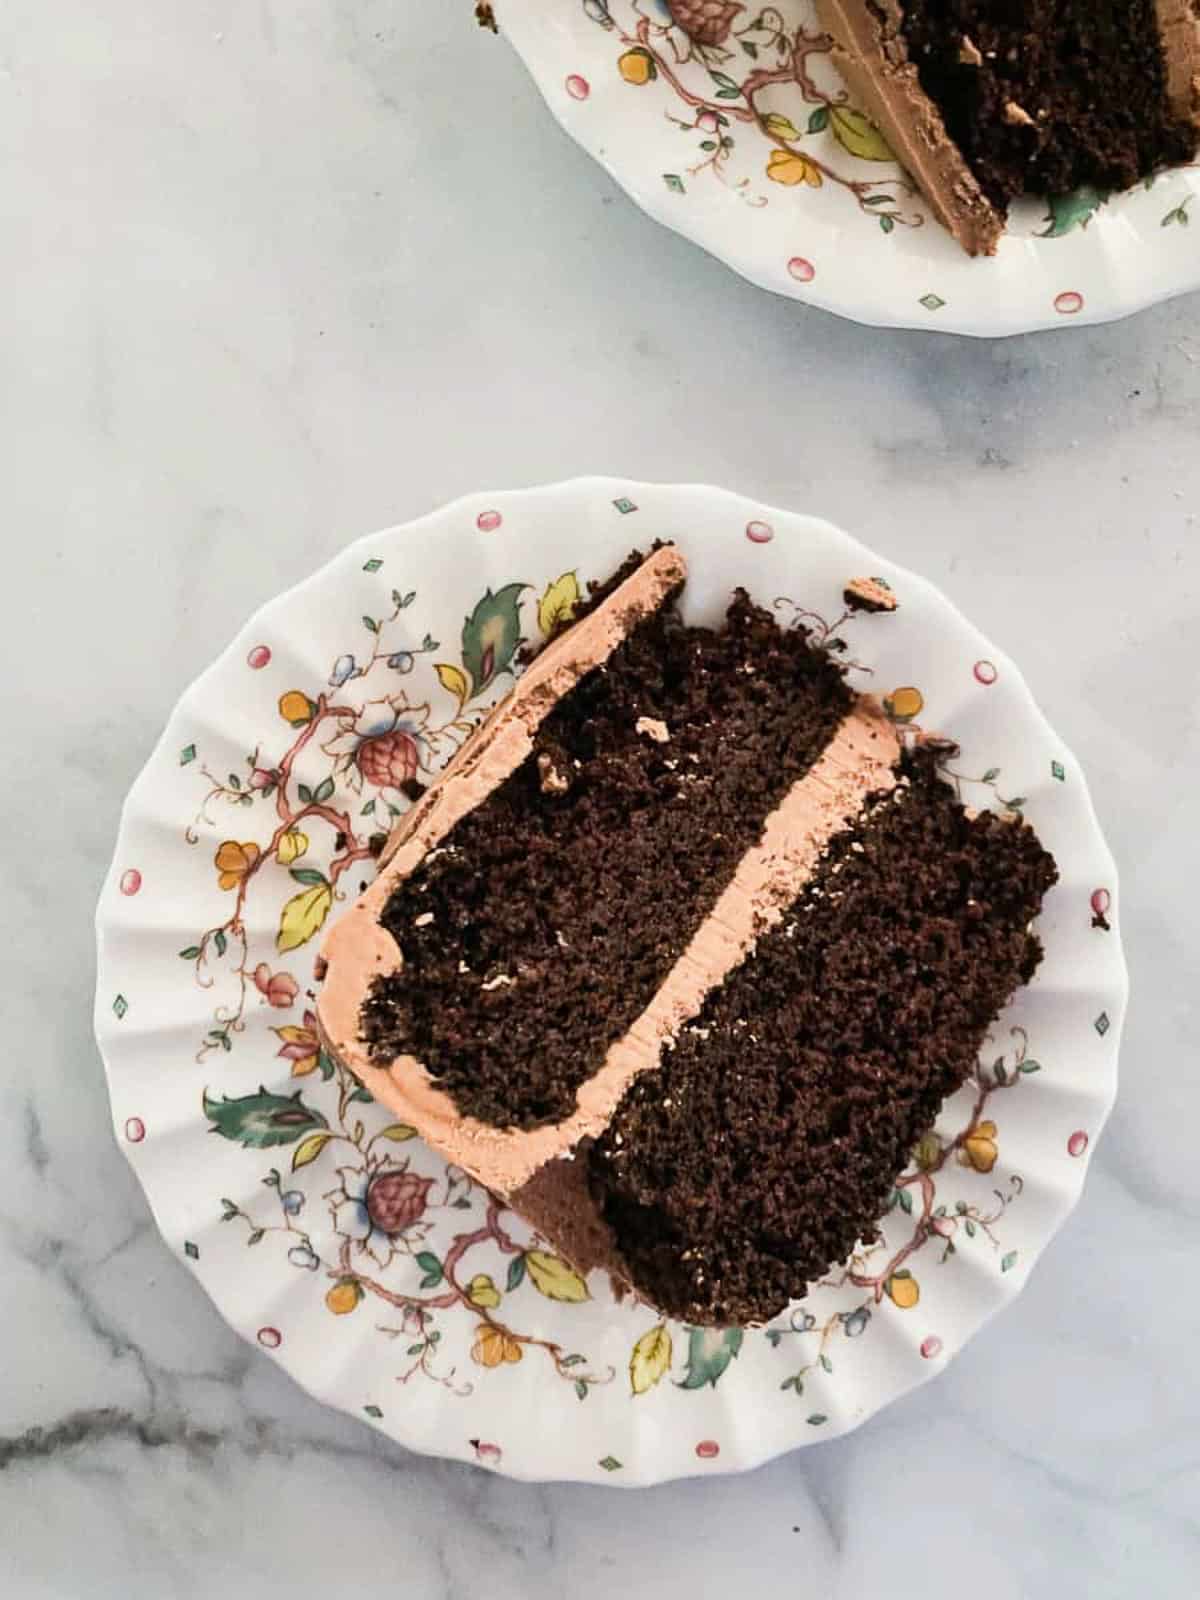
(759, 532)
(1069, 303)
(270, 1338)
(135, 1130)
(803, 271)
(258, 657)
(578, 87)
(985, 673)
(488, 521)
(1077, 1143)
(131, 881)
(708, 1449)
(931, 1347)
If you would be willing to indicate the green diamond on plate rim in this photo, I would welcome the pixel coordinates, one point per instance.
(624, 505)
(610, 1463)
(932, 302)
(190, 1250)
(373, 565)
(373, 1411)
(120, 1007)
(1057, 770)
(1102, 1024)
(674, 182)
(187, 755)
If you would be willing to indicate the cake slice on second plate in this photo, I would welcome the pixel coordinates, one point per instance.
(987, 100)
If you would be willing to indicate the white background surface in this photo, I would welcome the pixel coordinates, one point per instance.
(274, 275)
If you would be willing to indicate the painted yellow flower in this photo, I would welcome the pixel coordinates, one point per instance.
(481, 1291)
(493, 1347)
(291, 847)
(904, 704)
(301, 1045)
(233, 861)
(979, 1149)
(903, 1290)
(296, 708)
(637, 67)
(790, 167)
(344, 1297)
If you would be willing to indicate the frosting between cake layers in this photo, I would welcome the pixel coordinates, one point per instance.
(858, 761)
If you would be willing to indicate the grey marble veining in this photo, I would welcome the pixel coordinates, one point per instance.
(276, 274)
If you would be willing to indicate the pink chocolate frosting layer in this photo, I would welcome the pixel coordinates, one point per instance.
(857, 761)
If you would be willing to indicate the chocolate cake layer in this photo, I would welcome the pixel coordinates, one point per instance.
(764, 1146)
(544, 924)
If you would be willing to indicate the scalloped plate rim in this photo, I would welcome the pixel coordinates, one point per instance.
(1064, 1198)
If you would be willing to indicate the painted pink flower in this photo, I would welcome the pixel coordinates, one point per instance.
(389, 761)
(706, 21)
(278, 988)
(381, 744)
(301, 1046)
(395, 1200)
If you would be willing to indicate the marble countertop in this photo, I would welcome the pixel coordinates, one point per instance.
(275, 275)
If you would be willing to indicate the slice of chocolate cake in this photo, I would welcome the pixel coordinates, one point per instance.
(987, 100)
(682, 953)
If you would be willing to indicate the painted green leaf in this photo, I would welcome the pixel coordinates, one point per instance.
(303, 916)
(819, 120)
(710, 1350)
(779, 126)
(431, 1267)
(1070, 211)
(261, 1121)
(491, 635)
(858, 134)
(516, 1272)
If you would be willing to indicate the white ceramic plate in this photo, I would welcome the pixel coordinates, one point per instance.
(746, 147)
(250, 827)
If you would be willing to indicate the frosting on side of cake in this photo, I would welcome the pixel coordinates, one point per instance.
(358, 948)
(870, 53)
(857, 762)
(1179, 29)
